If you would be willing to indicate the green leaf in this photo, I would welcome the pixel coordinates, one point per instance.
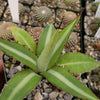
(77, 62)
(20, 53)
(45, 37)
(66, 82)
(54, 47)
(20, 85)
(23, 38)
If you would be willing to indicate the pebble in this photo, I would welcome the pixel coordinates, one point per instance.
(22, 65)
(61, 94)
(2, 6)
(85, 81)
(45, 86)
(7, 70)
(10, 75)
(60, 99)
(53, 95)
(38, 96)
(18, 68)
(29, 97)
(67, 97)
(13, 61)
(48, 90)
(45, 95)
(6, 57)
(27, 1)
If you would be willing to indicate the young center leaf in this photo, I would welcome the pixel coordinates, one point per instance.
(20, 53)
(62, 79)
(54, 47)
(45, 37)
(24, 38)
(77, 62)
(20, 85)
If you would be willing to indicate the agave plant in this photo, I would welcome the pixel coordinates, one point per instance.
(48, 63)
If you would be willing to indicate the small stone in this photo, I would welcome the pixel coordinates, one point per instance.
(13, 61)
(48, 90)
(60, 99)
(29, 2)
(11, 68)
(18, 68)
(6, 57)
(45, 85)
(53, 99)
(67, 97)
(7, 70)
(45, 95)
(91, 53)
(29, 97)
(64, 51)
(53, 95)
(21, 64)
(10, 75)
(85, 81)
(38, 96)
(61, 94)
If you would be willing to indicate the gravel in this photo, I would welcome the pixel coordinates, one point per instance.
(44, 90)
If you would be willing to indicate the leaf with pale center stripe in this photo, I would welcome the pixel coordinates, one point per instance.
(24, 38)
(20, 53)
(54, 47)
(20, 85)
(45, 37)
(65, 81)
(77, 62)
